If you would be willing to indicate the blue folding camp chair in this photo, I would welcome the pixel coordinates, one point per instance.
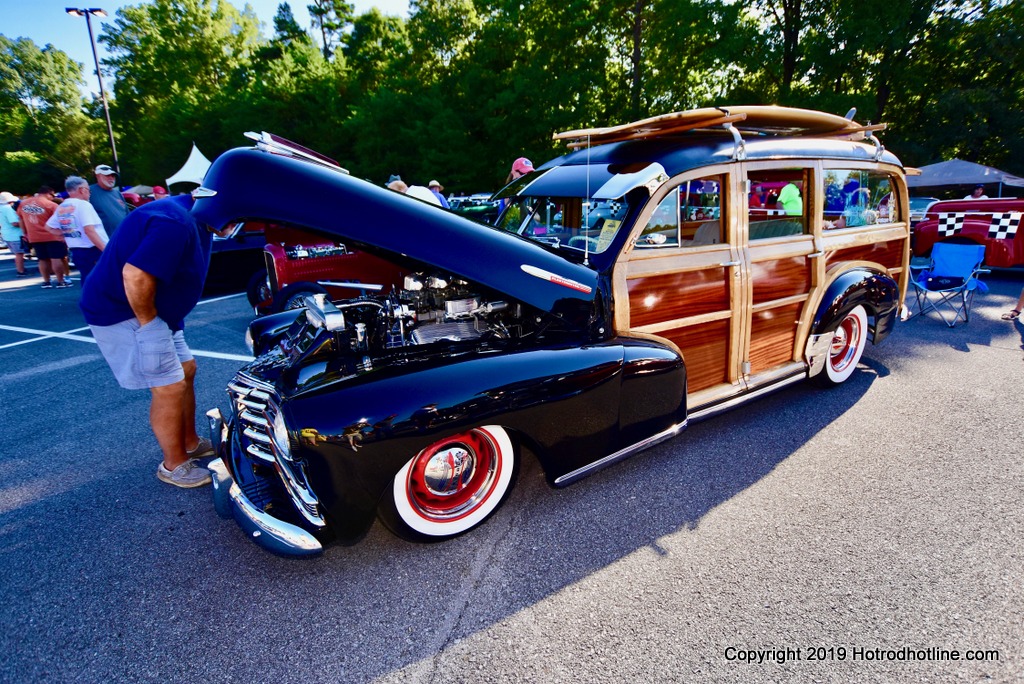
(948, 285)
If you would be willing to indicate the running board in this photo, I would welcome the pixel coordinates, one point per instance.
(729, 404)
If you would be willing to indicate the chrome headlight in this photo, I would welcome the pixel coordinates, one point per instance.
(281, 436)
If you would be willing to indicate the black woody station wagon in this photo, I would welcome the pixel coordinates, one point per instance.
(660, 272)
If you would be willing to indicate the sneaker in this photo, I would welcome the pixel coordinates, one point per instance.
(202, 450)
(22, 274)
(64, 285)
(189, 474)
(47, 285)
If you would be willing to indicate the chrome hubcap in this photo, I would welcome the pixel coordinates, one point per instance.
(451, 479)
(844, 343)
(448, 471)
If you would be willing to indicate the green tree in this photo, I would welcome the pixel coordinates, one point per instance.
(377, 50)
(286, 29)
(171, 59)
(44, 132)
(440, 31)
(330, 18)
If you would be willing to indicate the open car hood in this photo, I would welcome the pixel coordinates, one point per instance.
(250, 184)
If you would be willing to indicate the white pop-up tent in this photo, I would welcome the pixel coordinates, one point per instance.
(194, 169)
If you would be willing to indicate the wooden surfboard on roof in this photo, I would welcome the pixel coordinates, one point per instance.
(760, 119)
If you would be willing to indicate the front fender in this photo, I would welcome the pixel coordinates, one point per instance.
(355, 434)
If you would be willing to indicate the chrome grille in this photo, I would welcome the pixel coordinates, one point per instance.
(255, 406)
(255, 411)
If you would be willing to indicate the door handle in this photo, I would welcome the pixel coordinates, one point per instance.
(727, 264)
(815, 255)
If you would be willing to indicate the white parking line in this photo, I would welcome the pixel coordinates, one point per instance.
(41, 335)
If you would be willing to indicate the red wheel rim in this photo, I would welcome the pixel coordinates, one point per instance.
(845, 342)
(451, 479)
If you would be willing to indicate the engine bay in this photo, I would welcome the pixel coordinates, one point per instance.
(427, 309)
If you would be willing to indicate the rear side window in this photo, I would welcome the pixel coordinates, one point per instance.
(855, 197)
(777, 205)
(689, 216)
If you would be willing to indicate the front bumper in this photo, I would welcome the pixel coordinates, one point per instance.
(229, 501)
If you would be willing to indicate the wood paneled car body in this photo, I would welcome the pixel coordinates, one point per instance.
(639, 282)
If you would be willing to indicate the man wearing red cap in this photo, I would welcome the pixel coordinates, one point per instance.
(159, 192)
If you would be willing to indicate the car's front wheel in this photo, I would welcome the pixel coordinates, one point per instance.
(451, 486)
(848, 342)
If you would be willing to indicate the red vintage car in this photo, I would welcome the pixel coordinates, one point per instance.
(302, 262)
(995, 223)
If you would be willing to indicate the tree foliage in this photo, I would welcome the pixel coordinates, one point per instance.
(461, 87)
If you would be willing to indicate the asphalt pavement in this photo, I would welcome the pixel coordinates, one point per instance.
(868, 533)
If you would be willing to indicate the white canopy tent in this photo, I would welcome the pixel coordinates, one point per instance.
(960, 172)
(194, 169)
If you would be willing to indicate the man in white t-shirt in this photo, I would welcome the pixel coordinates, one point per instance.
(978, 193)
(81, 226)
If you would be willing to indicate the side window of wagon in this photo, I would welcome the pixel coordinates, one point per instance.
(777, 204)
(689, 216)
(856, 197)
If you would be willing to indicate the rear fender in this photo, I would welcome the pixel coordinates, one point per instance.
(876, 291)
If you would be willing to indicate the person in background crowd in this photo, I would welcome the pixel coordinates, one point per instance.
(159, 192)
(148, 280)
(789, 198)
(1014, 314)
(437, 189)
(418, 191)
(978, 192)
(754, 201)
(51, 251)
(520, 167)
(10, 231)
(80, 225)
(108, 201)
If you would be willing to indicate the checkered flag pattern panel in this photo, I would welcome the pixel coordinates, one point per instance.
(950, 224)
(614, 207)
(1004, 225)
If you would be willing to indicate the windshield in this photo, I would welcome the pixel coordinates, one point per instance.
(573, 206)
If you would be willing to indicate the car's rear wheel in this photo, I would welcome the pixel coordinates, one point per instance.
(451, 486)
(846, 348)
(293, 296)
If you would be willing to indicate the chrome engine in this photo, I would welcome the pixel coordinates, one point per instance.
(427, 309)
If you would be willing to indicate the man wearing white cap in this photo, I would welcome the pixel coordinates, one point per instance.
(10, 230)
(107, 199)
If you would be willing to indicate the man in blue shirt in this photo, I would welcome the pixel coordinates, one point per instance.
(149, 277)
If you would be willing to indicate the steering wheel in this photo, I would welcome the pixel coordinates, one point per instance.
(581, 240)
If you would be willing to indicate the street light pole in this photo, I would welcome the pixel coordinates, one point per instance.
(88, 13)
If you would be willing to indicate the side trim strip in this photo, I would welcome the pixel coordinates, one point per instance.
(619, 455)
